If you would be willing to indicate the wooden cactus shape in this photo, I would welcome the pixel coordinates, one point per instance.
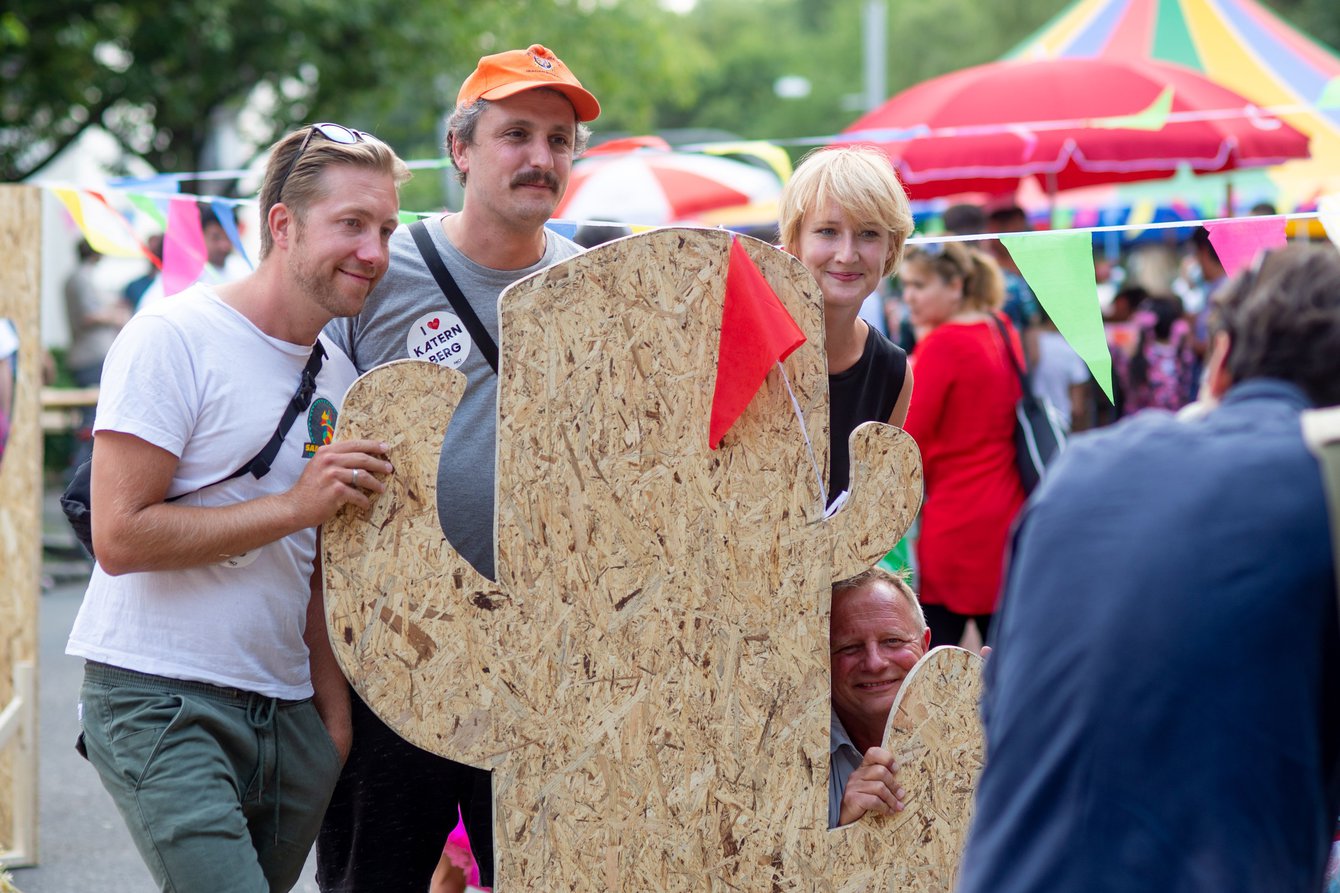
(648, 678)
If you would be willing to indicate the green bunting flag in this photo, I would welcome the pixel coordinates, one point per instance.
(1059, 269)
(1153, 118)
(149, 208)
(1062, 218)
(1330, 95)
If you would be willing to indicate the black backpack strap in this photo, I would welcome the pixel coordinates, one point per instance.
(1009, 351)
(76, 500)
(259, 466)
(481, 335)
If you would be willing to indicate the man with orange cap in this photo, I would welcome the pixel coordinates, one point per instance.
(516, 130)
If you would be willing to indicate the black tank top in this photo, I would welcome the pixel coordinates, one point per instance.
(866, 392)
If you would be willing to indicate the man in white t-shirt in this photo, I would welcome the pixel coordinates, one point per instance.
(212, 706)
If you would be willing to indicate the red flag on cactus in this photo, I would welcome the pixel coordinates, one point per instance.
(756, 332)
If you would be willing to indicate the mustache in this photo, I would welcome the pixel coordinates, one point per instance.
(536, 178)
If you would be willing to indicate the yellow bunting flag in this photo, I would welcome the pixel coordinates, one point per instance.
(102, 226)
(1141, 215)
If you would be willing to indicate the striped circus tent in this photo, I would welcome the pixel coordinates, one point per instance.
(1237, 43)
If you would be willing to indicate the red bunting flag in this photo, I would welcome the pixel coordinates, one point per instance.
(1237, 242)
(756, 332)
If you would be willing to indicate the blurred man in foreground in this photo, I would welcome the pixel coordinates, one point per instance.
(1160, 706)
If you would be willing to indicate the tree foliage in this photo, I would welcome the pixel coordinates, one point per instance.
(1318, 19)
(753, 43)
(162, 77)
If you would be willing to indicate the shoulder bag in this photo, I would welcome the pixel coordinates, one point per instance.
(1039, 435)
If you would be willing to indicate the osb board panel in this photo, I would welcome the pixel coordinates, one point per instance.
(935, 735)
(649, 677)
(885, 494)
(21, 464)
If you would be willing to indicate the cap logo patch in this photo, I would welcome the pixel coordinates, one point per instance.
(542, 62)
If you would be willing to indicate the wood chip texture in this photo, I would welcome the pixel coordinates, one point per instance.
(648, 679)
(20, 470)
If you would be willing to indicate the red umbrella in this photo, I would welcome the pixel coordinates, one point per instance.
(982, 129)
(638, 181)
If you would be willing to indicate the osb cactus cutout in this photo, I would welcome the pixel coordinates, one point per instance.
(648, 678)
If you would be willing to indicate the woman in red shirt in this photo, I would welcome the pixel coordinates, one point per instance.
(963, 421)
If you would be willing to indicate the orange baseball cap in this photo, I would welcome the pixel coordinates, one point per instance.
(505, 74)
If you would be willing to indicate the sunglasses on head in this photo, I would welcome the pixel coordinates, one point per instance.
(336, 133)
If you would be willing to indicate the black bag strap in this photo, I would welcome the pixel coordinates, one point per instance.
(259, 465)
(424, 240)
(1009, 351)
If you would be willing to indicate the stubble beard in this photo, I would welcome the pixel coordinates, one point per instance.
(323, 290)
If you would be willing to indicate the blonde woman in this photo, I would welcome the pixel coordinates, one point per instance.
(845, 216)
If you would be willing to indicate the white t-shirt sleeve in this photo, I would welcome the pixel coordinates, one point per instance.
(1079, 370)
(148, 386)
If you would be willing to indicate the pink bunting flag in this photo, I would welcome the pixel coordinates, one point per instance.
(183, 246)
(1238, 242)
(756, 334)
(459, 853)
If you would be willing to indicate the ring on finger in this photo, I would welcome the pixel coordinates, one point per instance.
(354, 482)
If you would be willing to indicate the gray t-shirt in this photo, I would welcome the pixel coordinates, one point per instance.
(408, 317)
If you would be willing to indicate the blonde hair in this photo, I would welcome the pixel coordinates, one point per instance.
(304, 186)
(983, 283)
(864, 185)
(896, 582)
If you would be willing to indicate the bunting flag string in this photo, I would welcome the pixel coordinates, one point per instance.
(1056, 263)
(1155, 117)
(1140, 219)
